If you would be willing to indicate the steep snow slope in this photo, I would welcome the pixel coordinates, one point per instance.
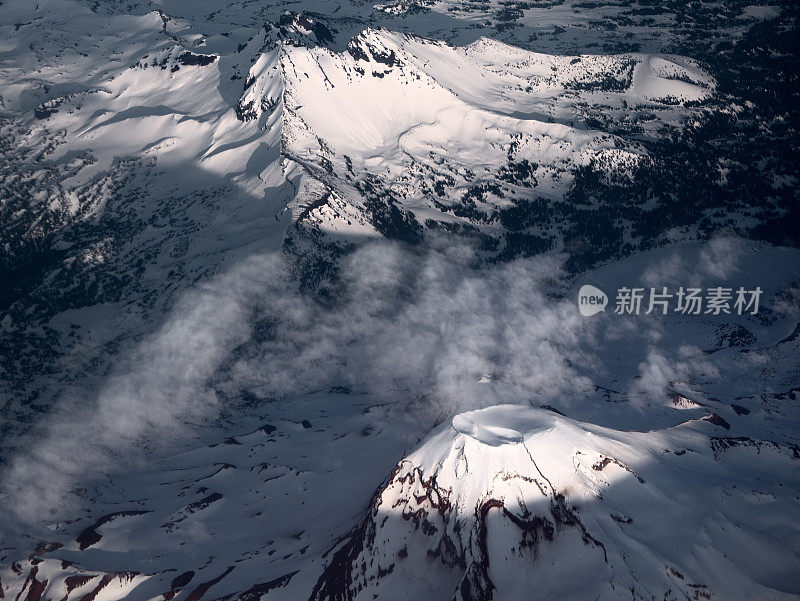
(170, 159)
(119, 192)
(439, 133)
(516, 503)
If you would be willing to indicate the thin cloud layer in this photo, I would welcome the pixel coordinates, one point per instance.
(401, 323)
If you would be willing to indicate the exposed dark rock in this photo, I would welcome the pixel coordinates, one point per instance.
(90, 536)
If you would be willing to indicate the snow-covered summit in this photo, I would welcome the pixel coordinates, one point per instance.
(513, 502)
(400, 125)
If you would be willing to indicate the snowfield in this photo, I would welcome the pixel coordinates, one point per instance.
(288, 301)
(396, 113)
(653, 466)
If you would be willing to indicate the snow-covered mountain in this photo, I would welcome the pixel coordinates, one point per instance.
(620, 455)
(175, 160)
(288, 300)
(511, 502)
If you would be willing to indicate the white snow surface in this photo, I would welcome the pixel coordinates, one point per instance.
(658, 460)
(525, 503)
(667, 470)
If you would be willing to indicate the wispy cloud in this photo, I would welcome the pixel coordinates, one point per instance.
(401, 323)
(157, 387)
